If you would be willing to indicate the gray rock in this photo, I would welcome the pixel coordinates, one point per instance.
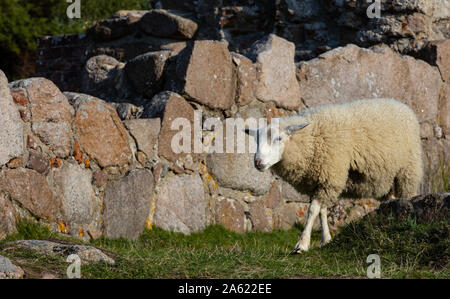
(246, 79)
(127, 110)
(51, 113)
(205, 73)
(99, 76)
(127, 204)
(9, 270)
(79, 206)
(156, 106)
(162, 23)
(114, 28)
(145, 132)
(181, 204)
(285, 215)
(176, 107)
(87, 254)
(231, 214)
(424, 208)
(237, 171)
(31, 190)
(7, 217)
(274, 57)
(348, 73)
(260, 216)
(100, 132)
(11, 133)
(303, 10)
(57, 135)
(145, 72)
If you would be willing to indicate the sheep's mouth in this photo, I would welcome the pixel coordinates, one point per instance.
(262, 168)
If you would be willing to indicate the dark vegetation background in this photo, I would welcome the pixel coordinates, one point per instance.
(22, 21)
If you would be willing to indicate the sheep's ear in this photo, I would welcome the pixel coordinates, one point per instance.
(251, 132)
(292, 129)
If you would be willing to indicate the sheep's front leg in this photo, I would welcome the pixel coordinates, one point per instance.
(326, 237)
(305, 238)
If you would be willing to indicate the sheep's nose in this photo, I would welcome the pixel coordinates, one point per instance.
(258, 163)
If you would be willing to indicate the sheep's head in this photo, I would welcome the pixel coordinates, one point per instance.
(271, 141)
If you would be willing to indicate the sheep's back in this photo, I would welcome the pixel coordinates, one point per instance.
(371, 138)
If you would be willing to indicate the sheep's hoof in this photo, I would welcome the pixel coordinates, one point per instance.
(297, 251)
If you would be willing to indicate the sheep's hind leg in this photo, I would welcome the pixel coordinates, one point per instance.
(305, 238)
(326, 237)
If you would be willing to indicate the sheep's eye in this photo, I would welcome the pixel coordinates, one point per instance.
(278, 139)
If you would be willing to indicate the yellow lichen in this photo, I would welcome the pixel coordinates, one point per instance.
(62, 226)
(87, 163)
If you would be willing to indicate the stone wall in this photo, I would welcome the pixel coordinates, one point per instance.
(61, 59)
(90, 153)
(314, 26)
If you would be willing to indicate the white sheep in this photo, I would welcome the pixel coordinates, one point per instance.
(364, 148)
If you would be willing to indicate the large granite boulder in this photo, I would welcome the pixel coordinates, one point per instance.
(11, 134)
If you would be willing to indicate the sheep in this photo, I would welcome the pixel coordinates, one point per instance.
(363, 148)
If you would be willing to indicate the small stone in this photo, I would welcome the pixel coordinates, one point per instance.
(141, 157)
(31, 143)
(177, 169)
(15, 163)
(100, 178)
(9, 270)
(21, 100)
(38, 162)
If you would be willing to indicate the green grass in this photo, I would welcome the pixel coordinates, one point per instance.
(407, 250)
